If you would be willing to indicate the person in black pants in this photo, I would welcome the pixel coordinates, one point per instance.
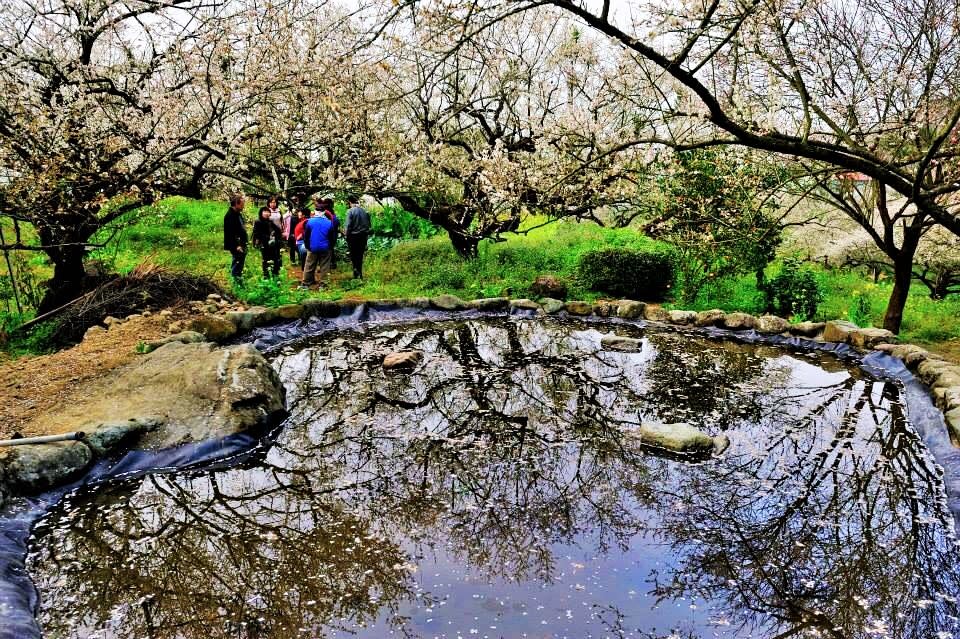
(235, 236)
(266, 237)
(357, 232)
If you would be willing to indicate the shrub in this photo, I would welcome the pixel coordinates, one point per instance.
(267, 292)
(794, 292)
(861, 311)
(445, 276)
(645, 274)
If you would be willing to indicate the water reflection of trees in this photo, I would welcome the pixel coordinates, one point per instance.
(510, 439)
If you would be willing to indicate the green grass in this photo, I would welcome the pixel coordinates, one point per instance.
(846, 294)
(178, 233)
(186, 235)
(429, 267)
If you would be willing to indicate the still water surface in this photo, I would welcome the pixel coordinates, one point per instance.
(500, 491)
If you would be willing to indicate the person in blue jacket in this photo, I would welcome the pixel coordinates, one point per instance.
(316, 239)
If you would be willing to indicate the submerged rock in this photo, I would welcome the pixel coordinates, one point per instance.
(402, 360)
(620, 343)
(720, 444)
(676, 438)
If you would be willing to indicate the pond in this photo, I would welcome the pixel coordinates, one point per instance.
(501, 490)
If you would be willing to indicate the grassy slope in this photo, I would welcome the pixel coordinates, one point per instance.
(185, 234)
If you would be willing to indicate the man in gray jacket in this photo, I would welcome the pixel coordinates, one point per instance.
(357, 231)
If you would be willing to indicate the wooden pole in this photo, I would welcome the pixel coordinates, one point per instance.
(13, 279)
(44, 439)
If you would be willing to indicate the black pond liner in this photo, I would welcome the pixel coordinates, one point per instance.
(19, 598)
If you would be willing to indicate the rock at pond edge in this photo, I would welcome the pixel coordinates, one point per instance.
(448, 303)
(35, 467)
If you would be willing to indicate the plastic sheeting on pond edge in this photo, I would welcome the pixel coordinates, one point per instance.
(19, 597)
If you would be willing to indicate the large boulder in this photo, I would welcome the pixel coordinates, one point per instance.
(185, 392)
(548, 286)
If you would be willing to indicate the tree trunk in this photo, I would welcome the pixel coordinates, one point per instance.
(465, 245)
(68, 277)
(902, 278)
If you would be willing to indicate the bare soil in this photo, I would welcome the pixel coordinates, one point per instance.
(30, 385)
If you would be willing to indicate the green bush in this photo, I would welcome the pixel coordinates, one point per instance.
(643, 274)
(395, 222)
(795, 292)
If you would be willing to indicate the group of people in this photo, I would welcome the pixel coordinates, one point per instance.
(310, 236)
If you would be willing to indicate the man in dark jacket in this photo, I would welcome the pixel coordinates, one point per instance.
(266, 237)
(235, 235)
(357, 231)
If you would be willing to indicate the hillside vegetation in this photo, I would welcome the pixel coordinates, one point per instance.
(408, 258)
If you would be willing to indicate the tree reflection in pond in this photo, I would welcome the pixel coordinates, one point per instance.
(501, 491)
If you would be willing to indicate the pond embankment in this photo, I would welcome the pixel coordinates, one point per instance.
(162, 382)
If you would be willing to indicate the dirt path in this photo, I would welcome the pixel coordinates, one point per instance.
(30, 385)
